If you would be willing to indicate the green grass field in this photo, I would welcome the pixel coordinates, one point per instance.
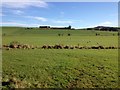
(60, 68)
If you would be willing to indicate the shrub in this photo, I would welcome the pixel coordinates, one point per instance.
(14, 44)
(58, 34)
(69, 34)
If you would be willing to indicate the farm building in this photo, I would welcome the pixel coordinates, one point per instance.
(44, 27)
(48, 27)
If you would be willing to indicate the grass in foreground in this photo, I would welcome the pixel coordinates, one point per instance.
(62, 68)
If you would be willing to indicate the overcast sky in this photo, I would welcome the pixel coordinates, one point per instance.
(77, 14)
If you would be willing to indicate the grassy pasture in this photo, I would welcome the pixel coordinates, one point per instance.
(50, 37)
(41, 68)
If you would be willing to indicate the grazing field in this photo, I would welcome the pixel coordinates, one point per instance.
(59, 68)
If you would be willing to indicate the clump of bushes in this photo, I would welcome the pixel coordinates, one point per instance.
(60, 34)
(13, 82)
(18, 45)
(69, 34)
(97, 34)
(14, 44)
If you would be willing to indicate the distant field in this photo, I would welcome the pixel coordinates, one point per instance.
(41, 37)
(54, 68)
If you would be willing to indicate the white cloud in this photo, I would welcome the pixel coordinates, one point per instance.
(37, 18)
(17, 12)
(62, 12)
(109, 23)
(18, 24)
(63, 22)
(106, 23)
(1, 14)
(23, 4)
(11, 24)
(40, 18)
(82, 0)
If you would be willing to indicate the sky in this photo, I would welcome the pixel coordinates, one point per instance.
(77, 14)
